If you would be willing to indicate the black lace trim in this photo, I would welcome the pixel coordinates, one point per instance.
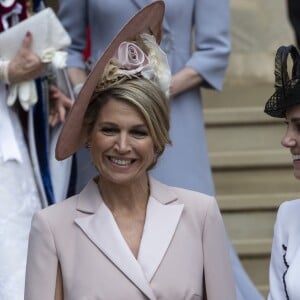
(284, 247)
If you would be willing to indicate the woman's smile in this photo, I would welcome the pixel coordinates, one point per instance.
(120, 161)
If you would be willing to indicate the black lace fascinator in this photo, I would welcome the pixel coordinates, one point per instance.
(287, 89)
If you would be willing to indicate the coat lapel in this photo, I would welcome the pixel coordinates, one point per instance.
(103, 231)
(162, 218)
(161, 223)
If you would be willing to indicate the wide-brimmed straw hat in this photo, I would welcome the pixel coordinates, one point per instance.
(147, 20)
(287, 88)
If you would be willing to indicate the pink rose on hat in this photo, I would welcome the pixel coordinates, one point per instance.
(131, 58)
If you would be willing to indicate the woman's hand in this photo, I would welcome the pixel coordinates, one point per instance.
(184, 80)
(59, 106)
(25, 65)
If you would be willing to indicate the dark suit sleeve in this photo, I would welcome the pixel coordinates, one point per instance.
(42, 261)
(217, 267)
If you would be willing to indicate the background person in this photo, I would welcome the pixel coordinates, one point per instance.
(285, 103)
(25, 186)
(20, 195)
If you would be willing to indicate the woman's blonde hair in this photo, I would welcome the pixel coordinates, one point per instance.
(146, 97)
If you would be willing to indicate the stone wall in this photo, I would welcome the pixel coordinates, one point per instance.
(258, 28)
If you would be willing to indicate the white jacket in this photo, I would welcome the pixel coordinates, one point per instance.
(285, 256)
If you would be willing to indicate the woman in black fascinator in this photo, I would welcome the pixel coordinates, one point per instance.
(285, 103)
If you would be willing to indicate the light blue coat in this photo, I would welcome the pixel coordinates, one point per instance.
(186, 163)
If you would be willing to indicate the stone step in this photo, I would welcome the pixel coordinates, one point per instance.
(248, 134)
(245, 226)
(258, 270)
(253, 181)
(253, 202)
(250, 159)
(237, 116)
(253, 248)
(233, 95)
(244, 138)
(255, 257)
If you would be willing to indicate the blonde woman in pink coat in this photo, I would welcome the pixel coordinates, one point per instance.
(127, 235)
(285, 103)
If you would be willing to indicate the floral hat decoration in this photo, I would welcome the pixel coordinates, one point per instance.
(287, 89)
(139, 57)
(134, 52)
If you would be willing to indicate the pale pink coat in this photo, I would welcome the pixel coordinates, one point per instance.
(183, 241)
